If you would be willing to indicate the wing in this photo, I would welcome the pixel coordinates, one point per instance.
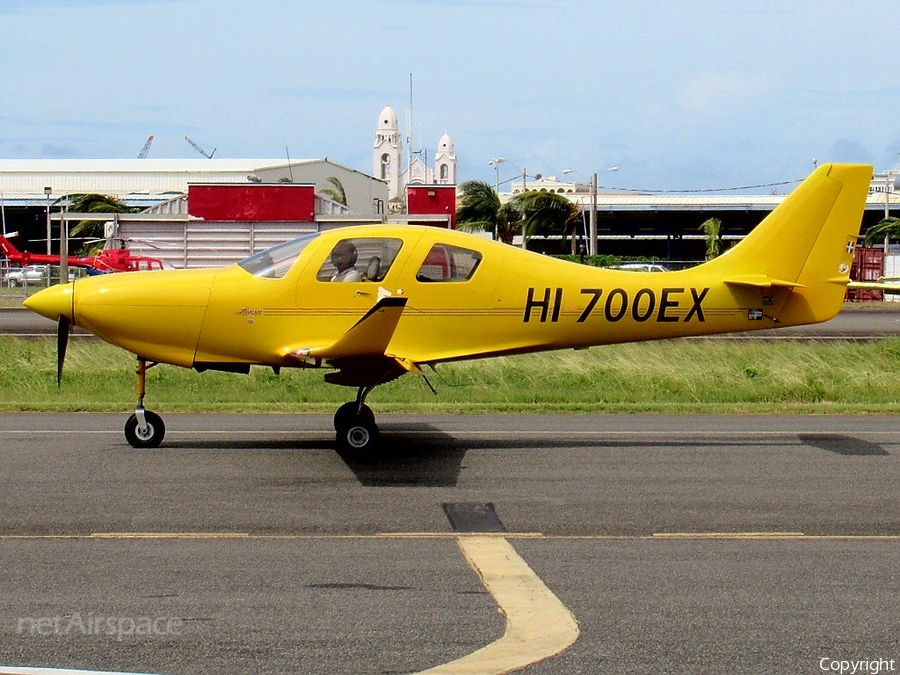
(359, 354)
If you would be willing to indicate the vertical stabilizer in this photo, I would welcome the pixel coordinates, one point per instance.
(805, 244)
(8, 249)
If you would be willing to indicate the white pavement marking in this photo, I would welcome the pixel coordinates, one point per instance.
(538, 625)
(4, 670)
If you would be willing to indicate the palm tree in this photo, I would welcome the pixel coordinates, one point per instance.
(886, 228)
(337, 193)
(480, 209)
(712, 228)
(546, 213)
(95, 203)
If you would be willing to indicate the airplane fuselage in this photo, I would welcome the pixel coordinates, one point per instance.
(514, 302)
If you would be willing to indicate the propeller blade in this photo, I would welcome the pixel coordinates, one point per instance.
(62, 342)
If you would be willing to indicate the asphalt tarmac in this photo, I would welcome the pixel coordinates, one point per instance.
(246, 543)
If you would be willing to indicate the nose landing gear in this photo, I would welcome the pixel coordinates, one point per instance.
(144, 429)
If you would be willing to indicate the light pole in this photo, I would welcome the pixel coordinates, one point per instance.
(496, 162)
(47, 192)
(524, 189)
(63, 246)
(888, 189)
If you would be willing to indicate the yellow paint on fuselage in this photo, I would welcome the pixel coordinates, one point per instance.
(156, 315)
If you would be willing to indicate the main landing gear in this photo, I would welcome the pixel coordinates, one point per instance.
(354, 423)
(144, 429)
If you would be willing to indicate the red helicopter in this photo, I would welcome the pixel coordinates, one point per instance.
(116, 259)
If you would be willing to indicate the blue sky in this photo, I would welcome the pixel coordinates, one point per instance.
(689, 95)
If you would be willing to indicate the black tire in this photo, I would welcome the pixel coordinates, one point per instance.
(358, 439)
(151, 437)
(351, 413)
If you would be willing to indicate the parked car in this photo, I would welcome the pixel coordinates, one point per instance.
(32, 274)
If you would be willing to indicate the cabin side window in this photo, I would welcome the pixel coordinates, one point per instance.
(448, 263)
(360, 259)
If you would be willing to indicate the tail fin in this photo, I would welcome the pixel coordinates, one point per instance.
(6, 246)
(806, 244)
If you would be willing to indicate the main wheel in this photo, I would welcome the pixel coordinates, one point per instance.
(358, 438)
(352, 413)
(151, 436)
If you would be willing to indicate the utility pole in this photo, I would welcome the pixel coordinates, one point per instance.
(593, 219)
(524, 190)
(496, 162)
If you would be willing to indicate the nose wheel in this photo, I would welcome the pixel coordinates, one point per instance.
(144, 429)
(146, 434)
(354, 424)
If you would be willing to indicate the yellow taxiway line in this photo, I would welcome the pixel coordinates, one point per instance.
(538, 625)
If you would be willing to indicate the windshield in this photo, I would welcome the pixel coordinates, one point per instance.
(273, 263)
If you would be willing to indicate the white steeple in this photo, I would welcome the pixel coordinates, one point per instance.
(388, 151)
(445, 162)
(388, 160)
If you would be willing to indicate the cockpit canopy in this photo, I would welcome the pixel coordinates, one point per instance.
(274, 263)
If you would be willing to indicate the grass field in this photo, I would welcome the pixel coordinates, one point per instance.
(704, 375)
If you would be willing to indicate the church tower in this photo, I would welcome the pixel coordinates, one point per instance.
(445, 162)
(388, 151)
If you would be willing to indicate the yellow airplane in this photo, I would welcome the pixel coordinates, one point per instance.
(372, 303)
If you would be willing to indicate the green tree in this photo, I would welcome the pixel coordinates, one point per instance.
(337, 192)
(95, 203)
(480, 210)
(546, 213)
(886, 227)
(712, 228)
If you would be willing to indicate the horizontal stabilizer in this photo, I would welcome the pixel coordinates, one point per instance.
(760, 281)
(889, 288)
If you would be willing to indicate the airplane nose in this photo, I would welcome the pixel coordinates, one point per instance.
(54, 302)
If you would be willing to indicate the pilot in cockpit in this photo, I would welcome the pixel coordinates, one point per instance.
(343, 257)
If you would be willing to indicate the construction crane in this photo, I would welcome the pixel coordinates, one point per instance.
(199, 148)
(146, 148)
